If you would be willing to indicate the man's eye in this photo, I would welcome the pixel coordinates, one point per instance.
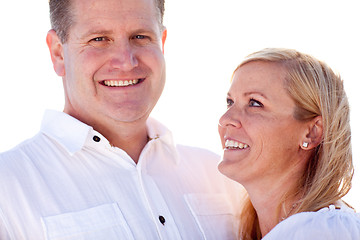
(255, 103)
(98, 39)
(100, 42)
(141, 40)
(229, 102)
(140, 37)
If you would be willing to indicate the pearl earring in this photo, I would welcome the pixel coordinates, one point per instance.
(305, 144)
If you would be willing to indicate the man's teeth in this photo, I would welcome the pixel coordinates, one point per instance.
(113, 83)
(231, 144)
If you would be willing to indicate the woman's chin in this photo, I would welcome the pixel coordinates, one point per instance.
(229, 168)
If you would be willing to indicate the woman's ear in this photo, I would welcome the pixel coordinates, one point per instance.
(56, 52)
(313, 135)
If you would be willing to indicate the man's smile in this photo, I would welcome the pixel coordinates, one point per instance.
(121, 83)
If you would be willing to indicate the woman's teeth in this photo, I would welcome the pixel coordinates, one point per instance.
(231, 144)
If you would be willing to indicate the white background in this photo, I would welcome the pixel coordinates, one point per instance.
(207, 39)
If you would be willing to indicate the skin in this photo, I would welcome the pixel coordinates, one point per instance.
(112, 40)
(260, 114)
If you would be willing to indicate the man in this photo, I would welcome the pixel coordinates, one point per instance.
(101, 169)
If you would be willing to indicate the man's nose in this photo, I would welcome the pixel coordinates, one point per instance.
(124, 57)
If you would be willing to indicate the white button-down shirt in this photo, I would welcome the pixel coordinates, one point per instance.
(330, 223)
(68, 182)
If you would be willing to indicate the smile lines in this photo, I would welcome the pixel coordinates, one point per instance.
(231, 144)
(120, 83)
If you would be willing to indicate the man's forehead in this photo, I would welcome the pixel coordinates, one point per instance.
(115, 8)
(88, 5)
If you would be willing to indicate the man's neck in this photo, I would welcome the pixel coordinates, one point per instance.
(131, 138)
(132, 144)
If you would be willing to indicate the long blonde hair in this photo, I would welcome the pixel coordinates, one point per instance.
(317, 91)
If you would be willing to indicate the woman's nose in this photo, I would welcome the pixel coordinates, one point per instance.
(230, 119)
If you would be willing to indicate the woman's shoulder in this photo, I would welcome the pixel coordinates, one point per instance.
(330, 223)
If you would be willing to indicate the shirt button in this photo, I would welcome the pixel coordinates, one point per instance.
(96, 139)
(162, 220)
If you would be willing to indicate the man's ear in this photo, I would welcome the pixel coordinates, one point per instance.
(163, 39)
(56, 52)
(313, 134)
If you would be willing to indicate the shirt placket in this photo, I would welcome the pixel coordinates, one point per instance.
(156, 204)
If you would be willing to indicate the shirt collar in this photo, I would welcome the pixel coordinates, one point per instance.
(73, 134)
(158, 132)
(66, 130)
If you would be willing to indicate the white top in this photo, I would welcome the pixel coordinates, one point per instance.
(329, 223)
(67, 182)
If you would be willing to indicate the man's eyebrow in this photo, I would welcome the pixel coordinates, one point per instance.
(100, 32)
(144, 30)
(96, 32)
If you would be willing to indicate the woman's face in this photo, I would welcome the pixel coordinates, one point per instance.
(260, 137)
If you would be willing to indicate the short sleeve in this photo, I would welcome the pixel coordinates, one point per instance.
(330, 224)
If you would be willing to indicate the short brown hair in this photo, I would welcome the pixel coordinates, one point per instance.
(61, 17)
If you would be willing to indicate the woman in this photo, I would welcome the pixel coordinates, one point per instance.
(287, 140)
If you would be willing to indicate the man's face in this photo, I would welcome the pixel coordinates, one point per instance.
(114, 68)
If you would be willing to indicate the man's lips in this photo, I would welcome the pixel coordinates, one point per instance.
(122, 83)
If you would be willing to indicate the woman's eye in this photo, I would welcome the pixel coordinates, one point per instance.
(229, 102)
(255, 103)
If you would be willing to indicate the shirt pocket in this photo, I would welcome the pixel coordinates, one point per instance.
(101, 222)
(213, 214)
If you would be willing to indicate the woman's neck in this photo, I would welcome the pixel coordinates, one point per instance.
(274, 200)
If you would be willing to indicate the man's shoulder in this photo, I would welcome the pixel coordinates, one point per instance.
(198, 160)
(197, 152)
(22, 151)
(157, 128)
